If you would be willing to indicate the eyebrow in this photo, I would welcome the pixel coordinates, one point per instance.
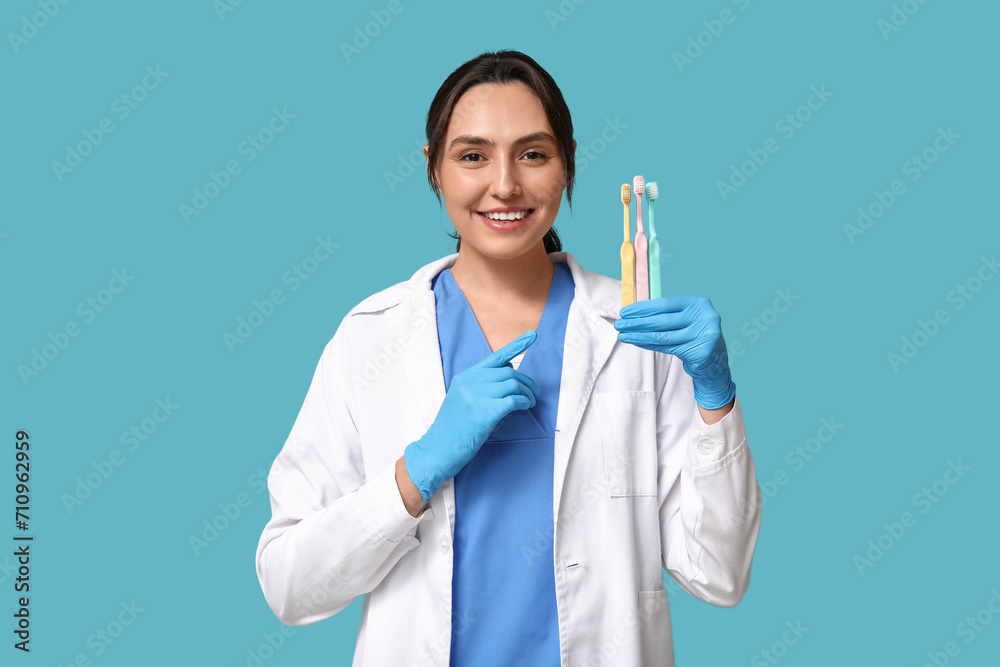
(470, 139)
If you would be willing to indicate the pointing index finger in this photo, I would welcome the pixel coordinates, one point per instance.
(502, 356)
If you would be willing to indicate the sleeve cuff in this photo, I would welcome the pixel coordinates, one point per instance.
(383, 511)
(711, 443)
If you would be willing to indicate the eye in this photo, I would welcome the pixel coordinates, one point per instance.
(541, 156)
(469, 155)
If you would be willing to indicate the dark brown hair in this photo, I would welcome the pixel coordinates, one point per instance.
(499, 68)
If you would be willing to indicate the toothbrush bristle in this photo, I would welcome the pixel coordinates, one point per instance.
(652, 191)
(626, 194)
(638, 184)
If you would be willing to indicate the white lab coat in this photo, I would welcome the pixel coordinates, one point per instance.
(640, 482)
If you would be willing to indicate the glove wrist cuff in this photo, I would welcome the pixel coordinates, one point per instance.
(415, 460)
(712, 396)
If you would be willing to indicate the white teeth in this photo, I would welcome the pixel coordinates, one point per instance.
(514, 215)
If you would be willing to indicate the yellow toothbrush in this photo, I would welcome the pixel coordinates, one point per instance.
(628, 254)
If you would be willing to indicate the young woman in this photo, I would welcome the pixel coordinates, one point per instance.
(497, 456)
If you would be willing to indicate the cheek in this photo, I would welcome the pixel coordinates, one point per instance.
(551, 186)
(550, 180)
(462, 184)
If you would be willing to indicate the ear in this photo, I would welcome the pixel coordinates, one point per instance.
(428, 160)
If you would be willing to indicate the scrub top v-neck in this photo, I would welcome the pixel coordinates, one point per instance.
(503, 584)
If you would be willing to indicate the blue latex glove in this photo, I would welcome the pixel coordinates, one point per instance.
(478, 398)
(689, 328)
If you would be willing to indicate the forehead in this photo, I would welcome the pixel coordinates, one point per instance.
(495, 111)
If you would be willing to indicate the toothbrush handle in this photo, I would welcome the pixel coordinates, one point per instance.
(654, 267)
(628, 266)
(628, 229)
(641, 268)
(654, 258)
(641, 260)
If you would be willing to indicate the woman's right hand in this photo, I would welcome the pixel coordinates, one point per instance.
(479, 397)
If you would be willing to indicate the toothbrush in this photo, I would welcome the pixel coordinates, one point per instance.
(652, 192)
(628, 254)
(641, 260)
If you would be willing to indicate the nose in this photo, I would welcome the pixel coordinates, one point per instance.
(505, 180)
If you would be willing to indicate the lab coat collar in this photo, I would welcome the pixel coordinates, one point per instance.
(590, 337)
(599, 292)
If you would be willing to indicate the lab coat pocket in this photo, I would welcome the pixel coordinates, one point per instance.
(655, 635)
(628, 431)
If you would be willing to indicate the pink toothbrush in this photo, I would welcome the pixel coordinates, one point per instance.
(641, 246)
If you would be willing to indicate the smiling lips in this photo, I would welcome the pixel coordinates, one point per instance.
(504, 215)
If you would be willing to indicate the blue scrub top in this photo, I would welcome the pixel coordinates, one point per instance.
(503, 585)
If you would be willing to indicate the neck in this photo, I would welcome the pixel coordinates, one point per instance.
(526, 277)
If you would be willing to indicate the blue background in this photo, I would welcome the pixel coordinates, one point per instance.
(324, 175)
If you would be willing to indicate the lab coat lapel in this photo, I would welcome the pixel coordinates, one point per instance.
(588, 344)
(416, 319)
(589, 341)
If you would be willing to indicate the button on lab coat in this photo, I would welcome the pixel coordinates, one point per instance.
(640, 483)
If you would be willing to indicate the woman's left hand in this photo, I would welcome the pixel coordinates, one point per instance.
(689, 328)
